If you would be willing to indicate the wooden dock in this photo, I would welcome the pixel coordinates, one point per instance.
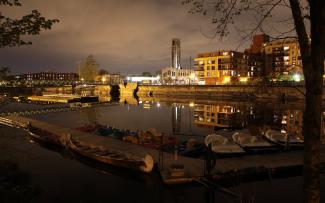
(194, 169)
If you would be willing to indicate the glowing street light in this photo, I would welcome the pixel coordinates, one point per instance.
(297, 77)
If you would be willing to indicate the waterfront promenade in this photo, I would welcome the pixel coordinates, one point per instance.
(225, 168)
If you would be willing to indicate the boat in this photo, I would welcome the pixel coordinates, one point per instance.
(252, 143)
(104, 131)
(284, 139)
(221, 145)
(43, 136)
(143, 163)
(87, 128)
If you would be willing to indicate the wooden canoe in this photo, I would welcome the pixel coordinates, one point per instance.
(101, 154)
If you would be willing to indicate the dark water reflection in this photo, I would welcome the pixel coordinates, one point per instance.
(64, 178)
(187, 117)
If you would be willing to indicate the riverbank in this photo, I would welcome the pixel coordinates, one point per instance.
(243, 92)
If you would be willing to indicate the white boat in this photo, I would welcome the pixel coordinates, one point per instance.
(222, 145)
(284, 139)
(251, 143)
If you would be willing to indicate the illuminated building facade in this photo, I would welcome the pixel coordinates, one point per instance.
(110, 79)
(175, 76)
(221, 67)
(46, 76)
(283, 59)
(176, 53)
(43, 78)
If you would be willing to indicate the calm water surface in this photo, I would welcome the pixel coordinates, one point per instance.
(62, 178)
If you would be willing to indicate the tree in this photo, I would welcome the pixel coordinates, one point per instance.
(4, 72)
(308, 19)
(12, 30)
(88, 69)
(147, 74)
(102, 72)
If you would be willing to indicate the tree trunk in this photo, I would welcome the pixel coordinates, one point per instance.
(312, 58)
(313, 109)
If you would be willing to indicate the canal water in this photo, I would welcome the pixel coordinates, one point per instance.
(60, 177)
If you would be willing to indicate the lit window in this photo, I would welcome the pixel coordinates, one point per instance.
(286, 58)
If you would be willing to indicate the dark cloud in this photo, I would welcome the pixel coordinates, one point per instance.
(126, 36)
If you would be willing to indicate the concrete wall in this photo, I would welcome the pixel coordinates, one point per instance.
(127, 90)
(225, 92)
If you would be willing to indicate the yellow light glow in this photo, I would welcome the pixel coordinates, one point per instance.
(192, 104)
(226, 80)
(103, 79)
(243, 79)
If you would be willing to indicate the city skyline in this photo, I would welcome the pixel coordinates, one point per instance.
(118, 44)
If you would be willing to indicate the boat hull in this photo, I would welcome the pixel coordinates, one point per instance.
(142, 164)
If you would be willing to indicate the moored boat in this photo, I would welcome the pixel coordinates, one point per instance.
(284, 139)
(43, 136)
(143, 163)
(87, 128)
(222, 145)
(252, 143)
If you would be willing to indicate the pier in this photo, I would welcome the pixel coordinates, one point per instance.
(194, 169)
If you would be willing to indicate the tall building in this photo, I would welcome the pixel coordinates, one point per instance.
(176, 53)
(257, 43)
(255, 56)
(283, 59)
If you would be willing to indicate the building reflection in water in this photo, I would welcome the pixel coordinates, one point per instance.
(234, 115)
(176, 118)
(219, 116)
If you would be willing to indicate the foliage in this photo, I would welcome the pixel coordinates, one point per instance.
(88, 69)
(4, 72)
(102, 72)
(147, 74)
(12, 30)
(246, 17)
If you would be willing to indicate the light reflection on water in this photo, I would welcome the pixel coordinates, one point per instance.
(186, 117)
(64, 179)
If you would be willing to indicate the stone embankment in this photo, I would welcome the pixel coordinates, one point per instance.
(246, 92)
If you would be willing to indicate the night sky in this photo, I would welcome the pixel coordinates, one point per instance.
(126, 36)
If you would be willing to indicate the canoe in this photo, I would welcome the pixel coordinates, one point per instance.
(222, 145)
(284, 139)
(43, 136)
(103, 155)
(252, 143)
(86, 128)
